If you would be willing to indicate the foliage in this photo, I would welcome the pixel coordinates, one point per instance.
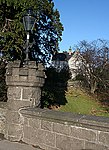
(55, 87)
(95, 68)
(3, 89)
(95, 60)
(44, 38)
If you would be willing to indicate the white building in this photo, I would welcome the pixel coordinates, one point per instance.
(71, 60)
(75, 64)
(59, 61)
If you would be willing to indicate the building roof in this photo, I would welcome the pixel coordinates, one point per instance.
(65, 56)
(59, 57)
(68, 55)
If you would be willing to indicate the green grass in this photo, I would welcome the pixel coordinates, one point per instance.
(81, 103)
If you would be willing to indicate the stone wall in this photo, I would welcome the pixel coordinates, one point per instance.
(24, 90)
(24, 83)
(22, 120)
(3, 110)
(54, 130)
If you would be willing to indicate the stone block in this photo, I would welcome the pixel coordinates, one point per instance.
(46, 137)
(32, 64)
(94, 146)
(17, 93)
(34, 123)
(15, 71)
(36, 93)
(36, 96)
(26, 121)
(68, 143)
(3, 109)
(2, 118)
(2, 126)
(61, 128)
(15, 131)
(14, 93)
(40, 73)
(10, 93)
(104, 138)
(13, 117)
(23, 71)
(27, 93)
(95, 122)
(16, 63)
(31, 72)
(9, 72)
(8, 79)
(9, 64)
(15, 78)
(40, 66)
(83, 133)
(46, 125)
(15, 105)
(31, 79)
(23, 78)
(29, 135)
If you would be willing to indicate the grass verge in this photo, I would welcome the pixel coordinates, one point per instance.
(80, 102)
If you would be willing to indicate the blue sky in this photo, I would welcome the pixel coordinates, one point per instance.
(83, 20)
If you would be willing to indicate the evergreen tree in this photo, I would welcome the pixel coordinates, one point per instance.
(3, 88)
(44, 38)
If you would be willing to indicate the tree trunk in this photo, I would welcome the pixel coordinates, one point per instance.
(93, 86)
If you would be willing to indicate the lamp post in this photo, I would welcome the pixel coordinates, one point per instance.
(28, 21)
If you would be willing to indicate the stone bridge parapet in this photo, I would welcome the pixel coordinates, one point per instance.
(21, 119)
(54, 130)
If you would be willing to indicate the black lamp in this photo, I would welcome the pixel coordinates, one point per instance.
(28, 21)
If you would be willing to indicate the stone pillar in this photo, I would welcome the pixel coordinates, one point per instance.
(24, 90)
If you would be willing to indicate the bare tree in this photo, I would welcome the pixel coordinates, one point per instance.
(95, 66)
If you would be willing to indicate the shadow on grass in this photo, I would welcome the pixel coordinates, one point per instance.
(55, 87)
